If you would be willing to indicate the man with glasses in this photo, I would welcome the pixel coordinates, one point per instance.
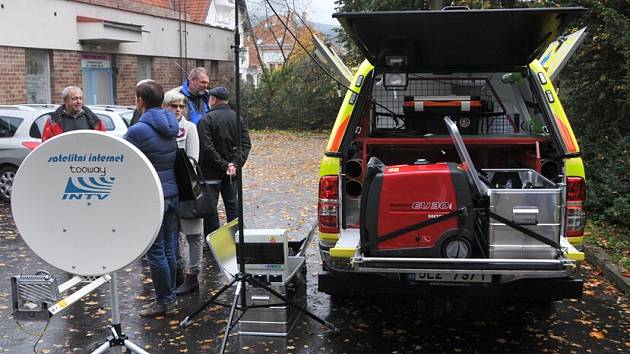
(195, 91)
(71, 115)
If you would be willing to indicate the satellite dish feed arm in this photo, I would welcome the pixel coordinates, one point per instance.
(74, 297)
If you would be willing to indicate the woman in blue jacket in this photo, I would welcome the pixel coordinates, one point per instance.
(155, 135)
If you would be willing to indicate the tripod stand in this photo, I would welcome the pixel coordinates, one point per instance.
(118, 339)
(242, 278)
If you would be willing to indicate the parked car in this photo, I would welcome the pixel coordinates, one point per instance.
(125, 112)
(441, 95)
(21, 130)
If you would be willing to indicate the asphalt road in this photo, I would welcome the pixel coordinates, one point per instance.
(280, 191)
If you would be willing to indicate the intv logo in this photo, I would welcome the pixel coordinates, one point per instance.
(88, 188)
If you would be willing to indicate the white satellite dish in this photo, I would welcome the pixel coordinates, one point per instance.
(87, 203)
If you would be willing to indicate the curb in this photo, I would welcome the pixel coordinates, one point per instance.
(598, 257)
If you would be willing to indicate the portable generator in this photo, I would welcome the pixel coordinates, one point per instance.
(446, 210)
(419, 210)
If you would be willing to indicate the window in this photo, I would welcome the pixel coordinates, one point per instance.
(214, 69)
(8, 126)
(127, 116)
(144, 68)
(107, 122)
(38, 126)
(37, 76)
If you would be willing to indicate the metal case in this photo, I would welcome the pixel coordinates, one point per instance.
(528, 199)
(275, 321)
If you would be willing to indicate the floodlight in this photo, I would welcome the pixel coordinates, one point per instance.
(395, 81)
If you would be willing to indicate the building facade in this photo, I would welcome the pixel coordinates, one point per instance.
(107, 46)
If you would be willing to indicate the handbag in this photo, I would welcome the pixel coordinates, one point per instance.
(204, 205)
(188, 182)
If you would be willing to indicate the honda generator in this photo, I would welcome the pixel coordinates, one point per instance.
(419, 210)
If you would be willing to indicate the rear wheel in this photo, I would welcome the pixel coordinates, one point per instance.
(7, 174)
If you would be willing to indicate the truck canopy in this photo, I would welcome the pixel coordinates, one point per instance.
(499, 40)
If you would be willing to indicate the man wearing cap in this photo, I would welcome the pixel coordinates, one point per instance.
(218, 143)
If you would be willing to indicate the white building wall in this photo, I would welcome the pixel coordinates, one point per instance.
(52, 24)
(221, 14)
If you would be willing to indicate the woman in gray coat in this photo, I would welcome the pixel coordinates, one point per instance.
(187, 139)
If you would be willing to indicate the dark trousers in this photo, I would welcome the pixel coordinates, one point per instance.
(229, 194)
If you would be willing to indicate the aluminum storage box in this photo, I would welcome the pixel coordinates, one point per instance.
(276, 321)
(530, 200)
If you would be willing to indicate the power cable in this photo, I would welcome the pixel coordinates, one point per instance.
(40, 335)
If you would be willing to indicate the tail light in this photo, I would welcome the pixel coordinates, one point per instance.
(31, 145)
(328, 205)
(576, 215)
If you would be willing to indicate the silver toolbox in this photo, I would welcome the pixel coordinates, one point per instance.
(530, 200)
(275, 320)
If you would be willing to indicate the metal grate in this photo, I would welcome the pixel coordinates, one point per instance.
(388, 114)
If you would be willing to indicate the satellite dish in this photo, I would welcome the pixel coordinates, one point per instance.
(87, 203)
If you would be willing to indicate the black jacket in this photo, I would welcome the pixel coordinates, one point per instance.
(218, 141)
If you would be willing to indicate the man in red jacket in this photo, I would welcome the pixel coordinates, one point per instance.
(71, 115)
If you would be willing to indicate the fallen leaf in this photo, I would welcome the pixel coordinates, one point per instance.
(597, 335)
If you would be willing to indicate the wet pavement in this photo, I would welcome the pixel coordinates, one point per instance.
(280, 191)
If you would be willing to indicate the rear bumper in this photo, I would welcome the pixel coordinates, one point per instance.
(361, 283)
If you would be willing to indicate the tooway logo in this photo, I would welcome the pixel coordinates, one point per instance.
(79, 188)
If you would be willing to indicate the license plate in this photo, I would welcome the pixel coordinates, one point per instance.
(451, 277)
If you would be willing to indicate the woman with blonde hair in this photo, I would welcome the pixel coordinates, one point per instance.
(187, 139)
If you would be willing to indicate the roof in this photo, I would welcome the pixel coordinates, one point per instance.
(196, 10)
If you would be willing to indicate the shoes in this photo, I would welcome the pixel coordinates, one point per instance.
(191, 284)
(155, 309)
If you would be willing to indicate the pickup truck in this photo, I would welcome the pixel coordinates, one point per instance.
(452, 168)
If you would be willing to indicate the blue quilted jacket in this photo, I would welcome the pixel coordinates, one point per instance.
(155, 135)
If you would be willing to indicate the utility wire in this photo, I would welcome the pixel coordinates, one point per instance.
(394, 114)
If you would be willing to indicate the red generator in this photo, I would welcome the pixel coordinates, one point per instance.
(396, 199)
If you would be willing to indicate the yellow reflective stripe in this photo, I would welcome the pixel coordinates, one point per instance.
(575, 167)
(575, 255)
(559, 115)
(576, 240)
(342, 252)
(329, 166)
(343, 117)
(328, 237)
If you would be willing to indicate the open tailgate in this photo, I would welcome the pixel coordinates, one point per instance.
(499, 40)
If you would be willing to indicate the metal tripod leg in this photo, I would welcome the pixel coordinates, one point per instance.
(228, 327)
(250, 279)
(188, 319)
(117, 340)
